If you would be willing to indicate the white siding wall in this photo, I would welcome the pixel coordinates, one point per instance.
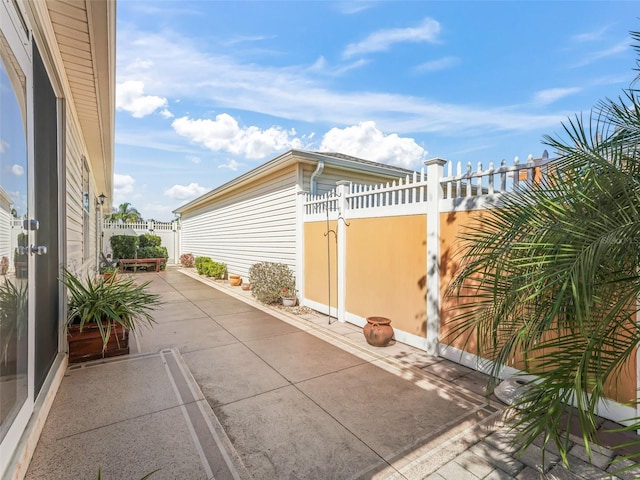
(256, 224)
(7, 226)
(326, 181)
(76, 244)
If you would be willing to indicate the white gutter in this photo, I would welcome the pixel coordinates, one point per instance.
(314, 175)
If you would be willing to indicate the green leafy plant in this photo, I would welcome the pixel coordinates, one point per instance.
(154, 252)
(187, 260)
(551, 276)
(124, 246)
(149, 240)
(215, 270)
(108, 302)
(13, 313)
(268, 280)
(206, 266)
(200, 263)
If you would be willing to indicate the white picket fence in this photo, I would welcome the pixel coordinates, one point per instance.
(418, 194)
(409, 195)
(169, 232)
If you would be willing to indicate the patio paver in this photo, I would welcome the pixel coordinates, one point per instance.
(272, 396)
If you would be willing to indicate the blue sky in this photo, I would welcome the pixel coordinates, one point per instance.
(207, 90)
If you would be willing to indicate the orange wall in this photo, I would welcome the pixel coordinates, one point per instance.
(386, 270)
(316, 277)
(621, 389)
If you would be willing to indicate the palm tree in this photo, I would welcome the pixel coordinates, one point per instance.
(125, 213)
(552, 277)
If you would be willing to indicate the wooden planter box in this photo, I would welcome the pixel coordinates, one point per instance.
(87, 345)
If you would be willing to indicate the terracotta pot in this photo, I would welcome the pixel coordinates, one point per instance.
(87, 345)
(246, 286)
(108, 275)
(235, 280)
(378, 331)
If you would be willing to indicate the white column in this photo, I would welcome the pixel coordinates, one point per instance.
(342, 190)
(435, 170)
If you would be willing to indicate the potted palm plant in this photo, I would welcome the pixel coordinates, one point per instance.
(102, 312)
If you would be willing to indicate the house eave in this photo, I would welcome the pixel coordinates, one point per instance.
(291, 157)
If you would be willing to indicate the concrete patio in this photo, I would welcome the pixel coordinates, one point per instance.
(224, 387)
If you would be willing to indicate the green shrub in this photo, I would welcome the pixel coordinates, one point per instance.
(267, 280)
(124, 246)
(148, 240)
(200, 263)
(154, 252)
(215, 270)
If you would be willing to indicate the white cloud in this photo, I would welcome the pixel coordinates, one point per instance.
(599, 55)
(349, 7)
(322, 66)
(366, 141)
(194, 159)
(185, 192)
(17, 170)
(224, 134)
(3, 146)
(550, 95)
(382, 40)
(591, 36)
(122, 184)
(231, 165)
(181, 71)
(130, 98)
(440, 64)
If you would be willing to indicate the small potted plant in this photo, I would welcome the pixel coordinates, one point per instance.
(102, 312)
(109, 272)
(288, 296)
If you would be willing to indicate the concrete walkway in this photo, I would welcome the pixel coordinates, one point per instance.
(223, 387)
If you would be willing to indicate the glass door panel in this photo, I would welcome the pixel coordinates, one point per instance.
(13, 241)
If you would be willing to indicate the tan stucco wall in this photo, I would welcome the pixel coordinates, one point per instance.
(316, 268)
(621, 389)
(386, 270)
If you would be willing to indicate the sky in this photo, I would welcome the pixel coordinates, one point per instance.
(208, 90)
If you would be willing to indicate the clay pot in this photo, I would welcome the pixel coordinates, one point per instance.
(378, 331)
(235, 280)
(246, 286)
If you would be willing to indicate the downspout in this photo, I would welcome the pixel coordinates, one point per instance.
(314, 175)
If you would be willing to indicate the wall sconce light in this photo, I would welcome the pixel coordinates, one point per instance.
(102, 198)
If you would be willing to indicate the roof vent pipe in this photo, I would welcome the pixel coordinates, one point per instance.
(314, 175)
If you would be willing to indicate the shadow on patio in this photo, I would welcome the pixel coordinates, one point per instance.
(223, 387)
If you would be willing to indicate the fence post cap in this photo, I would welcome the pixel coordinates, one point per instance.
(435, 161)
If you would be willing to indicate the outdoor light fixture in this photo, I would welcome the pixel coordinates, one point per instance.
(102, 198)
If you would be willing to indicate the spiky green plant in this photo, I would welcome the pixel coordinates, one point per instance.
(108, 303)
(554, 273)
(13, 313)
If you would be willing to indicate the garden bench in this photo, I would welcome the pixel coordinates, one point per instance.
(145, 262)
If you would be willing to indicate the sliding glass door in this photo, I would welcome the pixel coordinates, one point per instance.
(16, 377)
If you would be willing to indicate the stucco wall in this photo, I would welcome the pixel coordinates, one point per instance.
(622, 388)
